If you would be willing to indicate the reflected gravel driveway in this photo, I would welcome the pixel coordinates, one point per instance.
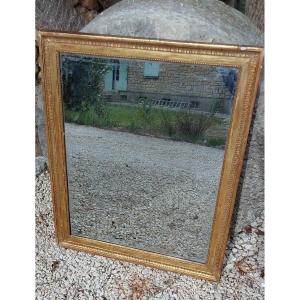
(143, 192)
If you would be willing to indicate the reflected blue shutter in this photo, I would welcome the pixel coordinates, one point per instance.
(151, 69)
(108, 79)
(122, 84)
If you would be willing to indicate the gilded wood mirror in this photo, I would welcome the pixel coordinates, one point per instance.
(146, 140)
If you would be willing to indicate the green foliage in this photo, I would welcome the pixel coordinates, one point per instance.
(101, 108)
(183, 126)
(193, 125)
(134, 126)
(167, 122)
(216, 142)
(217, 107)
(89, 116)
(81, 81)
(145, 108)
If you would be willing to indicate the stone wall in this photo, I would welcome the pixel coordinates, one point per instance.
(200, 86)
(178, 79)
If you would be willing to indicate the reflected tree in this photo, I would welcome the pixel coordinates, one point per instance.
(82, 82)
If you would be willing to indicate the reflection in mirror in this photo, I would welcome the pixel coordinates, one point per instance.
(145, 145)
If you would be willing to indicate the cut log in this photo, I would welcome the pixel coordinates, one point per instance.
(89, 4)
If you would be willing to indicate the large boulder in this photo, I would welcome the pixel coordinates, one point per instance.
(203, 21)
(189, 20)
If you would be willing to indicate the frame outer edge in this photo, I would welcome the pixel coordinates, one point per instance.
(65, 239)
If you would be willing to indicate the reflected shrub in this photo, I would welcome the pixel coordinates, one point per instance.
(101, 108)
(193, 125)
(145, 108)
(216, 142)
(167, 123)
(134, 126)
(90, 115)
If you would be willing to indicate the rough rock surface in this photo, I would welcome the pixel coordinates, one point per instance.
(68, 274)
(39, 120)
(202, 21)
(188, 20)
(40, 165)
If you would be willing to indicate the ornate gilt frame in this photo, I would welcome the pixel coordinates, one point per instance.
(249, 62)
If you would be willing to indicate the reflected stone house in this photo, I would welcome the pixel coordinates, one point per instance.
(170, 85)
(197, 87)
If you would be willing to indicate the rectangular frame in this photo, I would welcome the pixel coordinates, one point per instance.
(249, 62)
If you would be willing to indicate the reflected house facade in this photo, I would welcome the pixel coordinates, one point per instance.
(176, 86)
(196, 87)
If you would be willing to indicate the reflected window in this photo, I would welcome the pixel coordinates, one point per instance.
(151, 69)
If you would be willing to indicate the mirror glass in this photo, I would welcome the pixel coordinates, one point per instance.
(144, 148)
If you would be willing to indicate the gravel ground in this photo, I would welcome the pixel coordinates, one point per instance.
(140, 191)
(68, 274)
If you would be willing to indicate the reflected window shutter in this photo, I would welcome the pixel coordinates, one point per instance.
(151, 69)
(122, 84)
(108, 79)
